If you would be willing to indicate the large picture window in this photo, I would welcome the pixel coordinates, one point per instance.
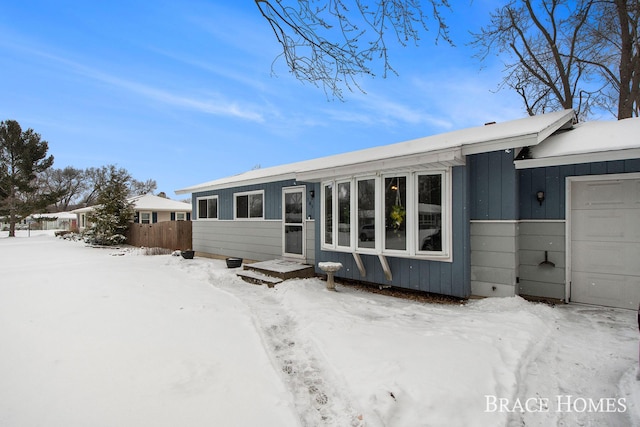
(405, 215)
(208, 207)
(249, 205)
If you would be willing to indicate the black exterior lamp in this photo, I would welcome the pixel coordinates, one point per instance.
(312, 193)
(540, 197)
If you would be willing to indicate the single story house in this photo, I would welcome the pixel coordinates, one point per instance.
(149, 209)
(539, 206)
(54, 220)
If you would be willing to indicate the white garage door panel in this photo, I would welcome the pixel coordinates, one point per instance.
(608, 290)
(610, 258)
(605, 242)
(606, 224)
(602, 194)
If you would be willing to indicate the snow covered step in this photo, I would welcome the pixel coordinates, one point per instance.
(258, 278)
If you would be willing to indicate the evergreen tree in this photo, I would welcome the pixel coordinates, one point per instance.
(112, 215)
(23, 155)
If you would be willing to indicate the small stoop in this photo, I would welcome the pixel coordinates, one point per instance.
(275, 271)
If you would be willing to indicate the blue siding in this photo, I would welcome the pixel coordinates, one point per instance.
(272, 199)
(493, 186)
(552, 180)
(446, 278)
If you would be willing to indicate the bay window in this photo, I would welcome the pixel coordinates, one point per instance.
(405, 215)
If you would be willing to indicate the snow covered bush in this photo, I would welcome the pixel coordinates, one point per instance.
(110, 219)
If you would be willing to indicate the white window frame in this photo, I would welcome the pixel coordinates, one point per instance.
(140, 215)
(249, 194)
(408, 205)
(376, 215)
(183, 214)
(208, 218)
(323, 215)
(412, 216)
(351, 245)
(446, 223)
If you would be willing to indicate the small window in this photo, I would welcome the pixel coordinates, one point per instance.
(328, 214)
(145, 217)
(395, 211)
(207, 209)
(344, 214)
(430, 213)
(367, 213)
(181, 216)
(249, 205)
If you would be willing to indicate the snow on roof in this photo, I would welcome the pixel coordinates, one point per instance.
(443, 149)
(587, 142)
(59, 215)
(149, 202)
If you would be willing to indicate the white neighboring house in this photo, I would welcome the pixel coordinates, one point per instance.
(54, 220)
(149, 209)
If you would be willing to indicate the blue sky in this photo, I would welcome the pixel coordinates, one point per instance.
(183, 92)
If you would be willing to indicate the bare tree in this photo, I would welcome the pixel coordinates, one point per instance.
(614, 36)
(567, 53)
(138, 188)
(329, 43)
(69, 182)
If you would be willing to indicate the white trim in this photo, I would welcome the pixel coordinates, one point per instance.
(411, 219)
(336, 214)
(207, 218)
(494, 221)
(568, 210)
(302, 190)
(323, 216)
(248, 194)
(602, 156)
(140, 213)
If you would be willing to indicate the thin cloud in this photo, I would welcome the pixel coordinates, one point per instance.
(217, 106)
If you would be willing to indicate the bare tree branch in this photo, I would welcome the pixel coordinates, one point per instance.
(330, 43)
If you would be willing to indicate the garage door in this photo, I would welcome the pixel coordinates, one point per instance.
(605, 242)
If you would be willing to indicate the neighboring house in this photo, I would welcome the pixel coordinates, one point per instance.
(54, 220)
(475, 211)
(149, 209)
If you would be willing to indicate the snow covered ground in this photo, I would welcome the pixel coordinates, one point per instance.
(107, 337)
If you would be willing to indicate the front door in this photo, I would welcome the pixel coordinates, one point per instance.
(293, 222)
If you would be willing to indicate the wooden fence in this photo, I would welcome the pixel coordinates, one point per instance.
(168, 234)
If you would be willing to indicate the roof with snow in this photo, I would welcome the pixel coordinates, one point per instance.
(440, 150)
(149, 202)
(587, 142)
(58, 215)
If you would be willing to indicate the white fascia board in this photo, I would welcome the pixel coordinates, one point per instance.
(426, 160)
(564, 121)
(602, 156)
(502, 144)
(238, 183)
